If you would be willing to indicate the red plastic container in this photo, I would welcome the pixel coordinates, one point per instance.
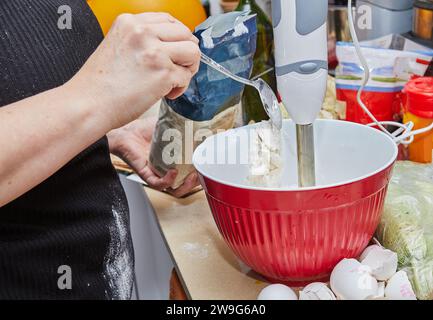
(383, 105)
(297, 236)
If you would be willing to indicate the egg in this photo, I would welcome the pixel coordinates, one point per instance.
(277, 292)
(399, 287)
(383, 262)
(317, 291)
(350, 280)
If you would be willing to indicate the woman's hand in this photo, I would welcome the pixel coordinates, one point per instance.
(143, 58)
(132, 144)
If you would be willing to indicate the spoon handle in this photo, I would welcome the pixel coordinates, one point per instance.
(216, 66)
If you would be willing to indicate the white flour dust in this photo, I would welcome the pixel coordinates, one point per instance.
(266, 163)
(196, 250)
(206, 36)
(118, 262)
(240, 29)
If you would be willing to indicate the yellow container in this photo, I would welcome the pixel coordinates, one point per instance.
(189, 12)
(420, 150)
(418, 108)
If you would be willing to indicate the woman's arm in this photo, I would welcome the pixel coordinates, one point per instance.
(144, 57)
(40, 134)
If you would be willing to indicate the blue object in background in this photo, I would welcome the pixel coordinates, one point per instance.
(229, 39)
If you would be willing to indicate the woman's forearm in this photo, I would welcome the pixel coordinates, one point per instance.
(142, 59)
(39, 135)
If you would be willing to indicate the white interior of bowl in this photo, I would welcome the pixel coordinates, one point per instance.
(345, 152)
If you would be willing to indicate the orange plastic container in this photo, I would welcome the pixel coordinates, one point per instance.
(418, 108)
(190, 12)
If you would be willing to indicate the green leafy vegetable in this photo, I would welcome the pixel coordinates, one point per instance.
(407, 224)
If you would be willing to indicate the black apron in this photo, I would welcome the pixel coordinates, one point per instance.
(69, 237)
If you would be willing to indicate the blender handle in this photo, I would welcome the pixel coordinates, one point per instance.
(301, 56)
(300, 33)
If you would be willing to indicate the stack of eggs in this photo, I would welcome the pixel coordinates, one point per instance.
(373, 277)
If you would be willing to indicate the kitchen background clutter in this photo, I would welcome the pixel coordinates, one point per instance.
(231, 5)
(418, 108)
(387, 17)
(423, 20)
(190, 12)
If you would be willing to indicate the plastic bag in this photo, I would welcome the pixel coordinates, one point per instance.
(211, 102)
(407, 224)
(393, 60)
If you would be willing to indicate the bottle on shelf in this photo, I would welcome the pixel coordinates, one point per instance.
(264, 63)
(206, 5)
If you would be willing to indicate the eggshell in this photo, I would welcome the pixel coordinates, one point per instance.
(382, 262)
(380, 295)
(277, 292)
(368, 250)
(317, 291)
(350, 280)
(399, 287)
(381, 290)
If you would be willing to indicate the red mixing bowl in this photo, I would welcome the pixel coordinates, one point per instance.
(292, 235)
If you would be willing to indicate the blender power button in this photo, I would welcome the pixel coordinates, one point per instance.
(309, 67)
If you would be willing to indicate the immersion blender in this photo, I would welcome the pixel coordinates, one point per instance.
(301, 59)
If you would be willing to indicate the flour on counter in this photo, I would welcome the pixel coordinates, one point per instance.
(196, 250)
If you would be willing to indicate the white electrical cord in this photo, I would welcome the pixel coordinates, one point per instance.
(404, 133)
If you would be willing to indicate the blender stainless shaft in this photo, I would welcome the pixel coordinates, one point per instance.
(306, 159)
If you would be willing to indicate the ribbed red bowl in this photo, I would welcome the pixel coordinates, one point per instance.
(296, 236)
